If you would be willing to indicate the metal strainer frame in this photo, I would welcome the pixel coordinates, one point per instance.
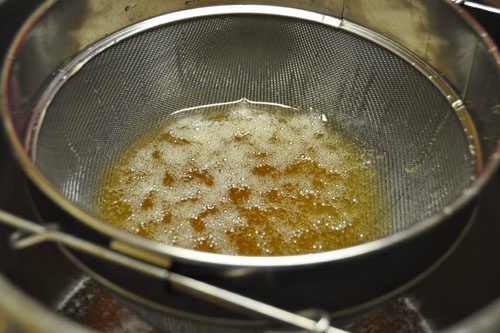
(74, 66)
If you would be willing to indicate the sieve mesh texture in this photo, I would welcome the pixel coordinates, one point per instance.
(369, 93)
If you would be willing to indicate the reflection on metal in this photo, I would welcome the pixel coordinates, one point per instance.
(428, 29)
(101, 18)
(38, 234)
(477, 5)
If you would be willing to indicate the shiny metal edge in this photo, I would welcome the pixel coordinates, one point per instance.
(253, 322)
(187, 255)
(153, 305)
(453, 97)
(477, 5)
(20, 308)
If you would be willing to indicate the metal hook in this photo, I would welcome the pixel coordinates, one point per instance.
(323, 324)
(23, 239)
(30, 233)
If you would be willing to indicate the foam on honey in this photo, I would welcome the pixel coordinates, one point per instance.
(244, 178)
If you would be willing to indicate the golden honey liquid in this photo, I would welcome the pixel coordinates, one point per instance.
(244, 178)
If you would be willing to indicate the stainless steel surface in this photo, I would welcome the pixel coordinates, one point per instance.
(426, 28)
(38, 234)
(476, 5)
(87, 21)
(16, 309)
(76, 160)
(406, 154)
(353, 13)
(463, 284)
(386, 104)
(490, 293)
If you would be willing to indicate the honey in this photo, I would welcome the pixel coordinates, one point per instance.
(245, 179)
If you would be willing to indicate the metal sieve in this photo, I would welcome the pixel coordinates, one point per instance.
(117, 91)
(433, 131)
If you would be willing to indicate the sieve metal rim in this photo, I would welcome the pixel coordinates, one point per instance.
(219, 259)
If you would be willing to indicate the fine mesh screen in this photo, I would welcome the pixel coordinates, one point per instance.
(369, 93)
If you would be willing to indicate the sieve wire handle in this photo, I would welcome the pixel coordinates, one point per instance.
(477, 5)
(30, 234)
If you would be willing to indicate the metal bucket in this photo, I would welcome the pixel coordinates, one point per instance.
(413, 92)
